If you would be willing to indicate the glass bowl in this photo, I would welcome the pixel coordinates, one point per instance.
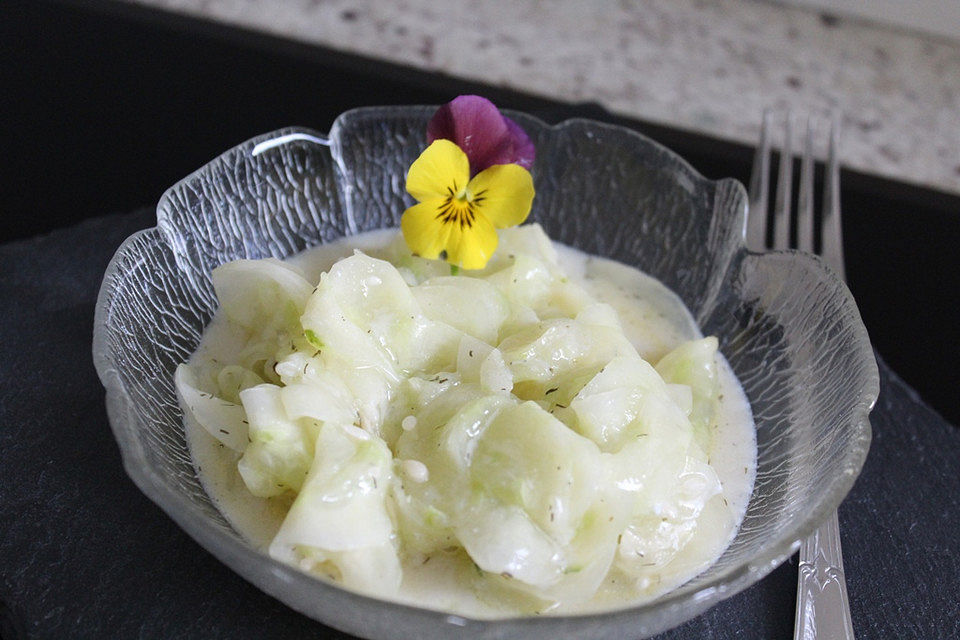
(787, 325)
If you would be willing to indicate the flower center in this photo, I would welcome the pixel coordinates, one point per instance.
(460, 207)
(457, 211)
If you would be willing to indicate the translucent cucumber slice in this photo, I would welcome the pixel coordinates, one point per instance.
(225, 421)
(341, 503)
(600, 314)
(694, 364)
(653, 540)
(233, 379)
(552, 349)
(421, 525)
(547, 492)
(364, 311)
(653, 453)
(528, 458)
(521, 318)
(317, 402)
(280, 450)
(613, 400)
(470, 358)
(342, 508)
(566, 300)
(527, 282)
(371, 387)
(445, 434)
(529, 239)
(478, 362)
(471, 305)
(374, 571)
(442, 438)
(255, 293)
(502, 540)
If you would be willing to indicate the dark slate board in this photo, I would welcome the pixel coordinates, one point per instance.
(83, 554)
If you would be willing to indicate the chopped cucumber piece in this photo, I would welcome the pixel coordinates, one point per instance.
(694, 364)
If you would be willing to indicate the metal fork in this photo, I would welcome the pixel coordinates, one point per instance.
(823, 607)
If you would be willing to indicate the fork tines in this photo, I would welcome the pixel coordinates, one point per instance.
(759, 234)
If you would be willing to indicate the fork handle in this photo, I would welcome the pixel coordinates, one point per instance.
(823, 608)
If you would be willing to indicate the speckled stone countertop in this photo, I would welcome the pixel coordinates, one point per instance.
(702, 66)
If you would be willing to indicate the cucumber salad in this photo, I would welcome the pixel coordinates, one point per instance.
(550, 434)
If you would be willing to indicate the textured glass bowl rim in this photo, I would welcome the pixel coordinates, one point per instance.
(277, 579)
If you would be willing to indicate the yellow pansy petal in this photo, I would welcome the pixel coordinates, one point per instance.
(471, 246)
(503, 194)
(423, 231)
(441, 170)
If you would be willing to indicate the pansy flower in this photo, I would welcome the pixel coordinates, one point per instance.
(469, 182)
(487, 136)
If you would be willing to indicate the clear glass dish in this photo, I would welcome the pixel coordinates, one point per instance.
(787, 325)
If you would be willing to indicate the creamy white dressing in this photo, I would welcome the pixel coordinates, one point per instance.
(653, 319)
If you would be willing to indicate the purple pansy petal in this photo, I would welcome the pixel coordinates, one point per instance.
(523, 151)
(475, 125)
(441, 125)
(487, 137)
(515, 148)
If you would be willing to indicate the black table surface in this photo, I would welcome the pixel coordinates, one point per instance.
(83, 554)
